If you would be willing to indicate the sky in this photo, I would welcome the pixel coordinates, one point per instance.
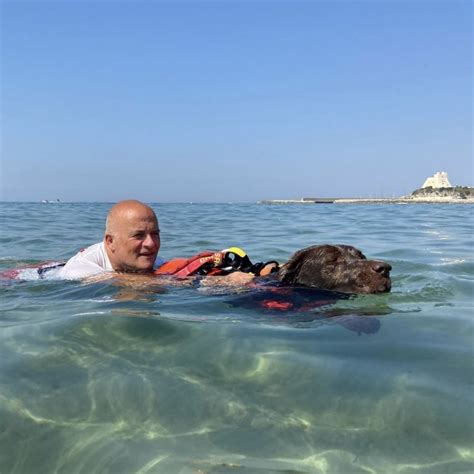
(233, 101)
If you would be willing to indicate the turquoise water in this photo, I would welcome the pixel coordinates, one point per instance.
(102, 379)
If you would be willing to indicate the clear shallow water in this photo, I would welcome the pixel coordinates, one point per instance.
(97, 378)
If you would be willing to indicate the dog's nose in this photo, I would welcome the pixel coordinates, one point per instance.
(382, 268)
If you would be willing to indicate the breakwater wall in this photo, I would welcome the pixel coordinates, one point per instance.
(402, 200)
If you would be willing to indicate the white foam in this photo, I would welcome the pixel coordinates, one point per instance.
(31, 274)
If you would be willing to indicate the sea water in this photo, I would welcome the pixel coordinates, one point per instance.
(101, 378)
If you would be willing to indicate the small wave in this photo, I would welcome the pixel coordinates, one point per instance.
(91, 313)
(450, 261)
(428, 293)
(439, 234)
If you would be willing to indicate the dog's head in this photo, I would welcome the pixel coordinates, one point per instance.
(336, 267)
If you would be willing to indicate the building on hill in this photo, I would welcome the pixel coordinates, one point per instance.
(438, 180)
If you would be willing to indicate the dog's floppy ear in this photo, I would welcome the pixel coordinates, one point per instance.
(290, 270)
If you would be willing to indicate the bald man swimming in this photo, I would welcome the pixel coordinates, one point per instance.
(131, 244)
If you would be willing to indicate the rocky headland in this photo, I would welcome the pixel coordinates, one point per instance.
(437, 188)
(456, 192)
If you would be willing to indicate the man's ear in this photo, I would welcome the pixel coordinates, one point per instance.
(109, 242)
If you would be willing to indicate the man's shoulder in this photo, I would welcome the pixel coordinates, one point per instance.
(87, 262)
(92, 249)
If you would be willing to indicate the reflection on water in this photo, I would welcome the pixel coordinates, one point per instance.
(98, 378)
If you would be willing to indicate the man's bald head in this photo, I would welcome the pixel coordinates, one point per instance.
(124, 211)
(132, 238)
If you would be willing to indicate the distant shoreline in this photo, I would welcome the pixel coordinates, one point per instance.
(401, 200)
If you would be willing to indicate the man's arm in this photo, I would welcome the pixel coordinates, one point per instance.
(233, 279)
(136, 280)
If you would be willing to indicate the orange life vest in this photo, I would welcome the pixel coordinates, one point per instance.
(184, 267)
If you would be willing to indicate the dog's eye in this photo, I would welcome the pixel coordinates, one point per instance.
(358, 254)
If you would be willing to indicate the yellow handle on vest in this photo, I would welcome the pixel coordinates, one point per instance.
(238, 251)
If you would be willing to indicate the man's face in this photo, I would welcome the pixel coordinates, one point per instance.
(135, 241)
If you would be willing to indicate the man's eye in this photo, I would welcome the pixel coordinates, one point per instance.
(138, 236)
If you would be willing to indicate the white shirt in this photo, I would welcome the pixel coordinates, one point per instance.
(87, 262)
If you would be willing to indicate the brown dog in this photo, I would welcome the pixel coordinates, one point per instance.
(336, 267)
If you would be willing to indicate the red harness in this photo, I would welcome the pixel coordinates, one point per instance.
(184, 267)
